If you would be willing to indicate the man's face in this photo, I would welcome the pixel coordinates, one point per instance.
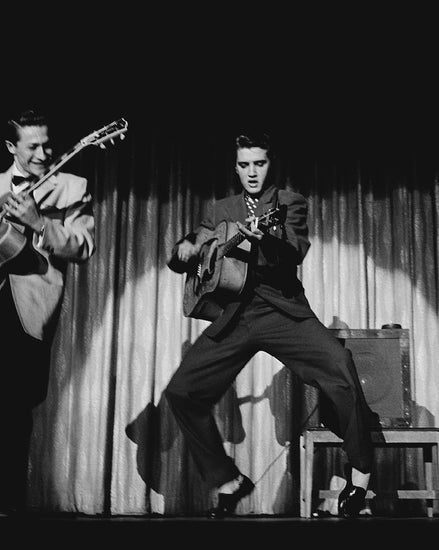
(252, 167)
(33, 151)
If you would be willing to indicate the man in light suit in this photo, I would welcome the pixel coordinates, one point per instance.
(41, 231)
(271, 313)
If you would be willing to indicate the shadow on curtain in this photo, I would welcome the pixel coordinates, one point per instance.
(105, 441)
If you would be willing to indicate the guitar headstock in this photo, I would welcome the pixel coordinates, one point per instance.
(274, 216)
(106, 133)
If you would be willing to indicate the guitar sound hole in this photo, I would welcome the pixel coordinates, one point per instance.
(196, 285)
(212, 263)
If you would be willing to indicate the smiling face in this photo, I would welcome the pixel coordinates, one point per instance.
(252, 166)
(32, 151)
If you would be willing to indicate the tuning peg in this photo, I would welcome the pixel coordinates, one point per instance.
(122, 136)
(102, 146)
(112, 141)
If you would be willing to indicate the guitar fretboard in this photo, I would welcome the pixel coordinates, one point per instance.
(231, 243)
(108, 132)
(269, 218)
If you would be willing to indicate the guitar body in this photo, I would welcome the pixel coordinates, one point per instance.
(219, 273)
(215, 278)
(12, 242)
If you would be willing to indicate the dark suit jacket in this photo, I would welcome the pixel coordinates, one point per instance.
(273, 262)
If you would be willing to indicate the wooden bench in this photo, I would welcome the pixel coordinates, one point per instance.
(425, 438)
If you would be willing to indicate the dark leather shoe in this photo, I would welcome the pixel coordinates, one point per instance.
(352, 499)
(227, 503)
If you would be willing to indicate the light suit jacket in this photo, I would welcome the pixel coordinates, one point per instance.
(37, 286)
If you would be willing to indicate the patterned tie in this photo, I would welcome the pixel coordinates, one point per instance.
(251, 204)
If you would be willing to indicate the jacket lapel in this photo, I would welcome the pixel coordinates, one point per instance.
(266, 201)
(44, 189)
(236, 209)
(39, 193)
(5, 184)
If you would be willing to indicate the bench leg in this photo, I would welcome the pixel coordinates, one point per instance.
(302, 475)
(309, 470)
(428, 472)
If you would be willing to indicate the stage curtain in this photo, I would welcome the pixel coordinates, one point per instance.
(104, 440)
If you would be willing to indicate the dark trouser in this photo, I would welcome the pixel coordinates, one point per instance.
(305, 346)
(24, 371)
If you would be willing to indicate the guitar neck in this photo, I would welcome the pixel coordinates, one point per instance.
(239, 237)
(53, 168)
(232, 243)
(98, 137)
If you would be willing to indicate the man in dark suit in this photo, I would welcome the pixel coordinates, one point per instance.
(41, 231)
(270, 314)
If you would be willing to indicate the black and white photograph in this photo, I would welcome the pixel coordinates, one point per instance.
(219, 277)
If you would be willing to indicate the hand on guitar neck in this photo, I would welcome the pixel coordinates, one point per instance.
(250, 231)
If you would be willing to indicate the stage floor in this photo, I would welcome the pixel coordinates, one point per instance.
(53, 531)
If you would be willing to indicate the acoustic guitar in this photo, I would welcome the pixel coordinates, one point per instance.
(219, 272)
(12, 238)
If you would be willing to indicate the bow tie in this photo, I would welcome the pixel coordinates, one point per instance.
(19, 180)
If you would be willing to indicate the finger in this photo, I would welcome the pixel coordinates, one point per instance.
(243, 229)
(11, 203)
